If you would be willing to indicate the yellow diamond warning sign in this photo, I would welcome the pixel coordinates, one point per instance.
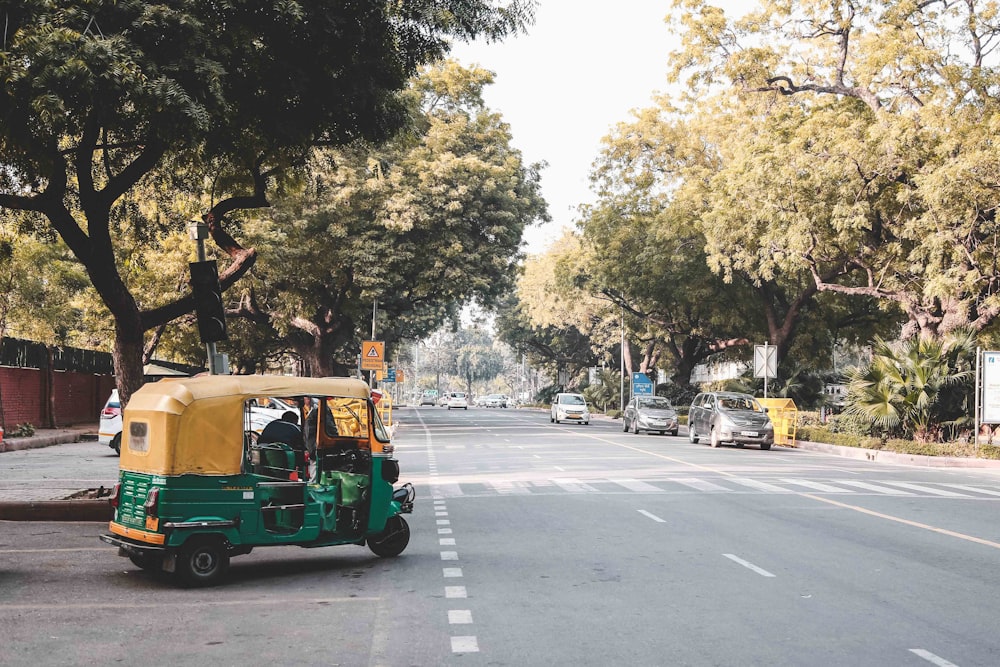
(372, 355)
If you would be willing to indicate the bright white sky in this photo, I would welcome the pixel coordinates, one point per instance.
(563, 87)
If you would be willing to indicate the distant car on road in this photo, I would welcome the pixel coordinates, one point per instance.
(429, 397)
(650, 413)
(723, 416)
(569, 407)
(495, 401)
(457, 399)
(109, 431)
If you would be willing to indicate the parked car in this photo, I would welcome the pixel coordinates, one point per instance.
(729, 417)
(650, 413)
(109, 430)
(457, 399)
(569, 407)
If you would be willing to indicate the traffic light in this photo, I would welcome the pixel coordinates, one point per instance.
(208, 301)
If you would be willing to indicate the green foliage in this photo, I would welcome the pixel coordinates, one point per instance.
(915, 387)
(546, 394)
(24, 430)
(828, 436)
(606, 391)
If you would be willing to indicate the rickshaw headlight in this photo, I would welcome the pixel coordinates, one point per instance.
(152, 504)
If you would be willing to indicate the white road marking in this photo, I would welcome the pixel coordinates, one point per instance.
(817, 486)
(444, 531)
(440, 514)
(459, 616)
(450, 490)
(446, 541)
(573, 485)
(761, 486)
(452, 572)
(559, 469)
(449, 555)
(651, 516)
(874, 487)
(931, 658)
(509, 488)
(750, 566)
(973, 489)
(925, 489)
(443, 522)
(637, 486)
(455, 592)
(464, 645)
(699, 484)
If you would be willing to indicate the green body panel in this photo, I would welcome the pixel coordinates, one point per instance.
(340, 509)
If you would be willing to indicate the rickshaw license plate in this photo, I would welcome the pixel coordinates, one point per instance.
(749, 434)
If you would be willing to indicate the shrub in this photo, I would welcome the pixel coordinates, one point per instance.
(23, 431)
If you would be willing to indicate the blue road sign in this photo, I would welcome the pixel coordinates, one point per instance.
(641, 385)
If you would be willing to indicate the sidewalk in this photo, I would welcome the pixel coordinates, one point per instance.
(37, 486)
(46, 437)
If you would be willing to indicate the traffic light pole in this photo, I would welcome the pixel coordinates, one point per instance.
(198, 231)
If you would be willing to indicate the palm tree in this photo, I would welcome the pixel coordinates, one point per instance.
(915, 387)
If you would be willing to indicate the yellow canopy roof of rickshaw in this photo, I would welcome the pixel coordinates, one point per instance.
(195, 425)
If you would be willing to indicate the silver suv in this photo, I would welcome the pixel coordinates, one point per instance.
(724, 416)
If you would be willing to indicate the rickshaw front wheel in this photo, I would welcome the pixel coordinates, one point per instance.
(392, 540)
(202, 561)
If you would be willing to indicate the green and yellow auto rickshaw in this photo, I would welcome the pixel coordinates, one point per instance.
(201, 481)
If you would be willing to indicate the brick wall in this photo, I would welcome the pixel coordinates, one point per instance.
(77, 397)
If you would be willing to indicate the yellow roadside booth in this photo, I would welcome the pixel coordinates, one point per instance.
(784, 415)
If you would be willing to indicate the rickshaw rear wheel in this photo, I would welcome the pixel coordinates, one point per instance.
(202, 561)
(147, 561)
(392, 540)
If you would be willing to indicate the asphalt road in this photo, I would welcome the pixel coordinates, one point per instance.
(538, 544)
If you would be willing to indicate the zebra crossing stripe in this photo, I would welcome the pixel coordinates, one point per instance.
(509, 488)
(573, 485)
(926, 489)
(973, 489)
(637, 486)
(761, 486)
(874, 487)
(816, 486)
(699, 484)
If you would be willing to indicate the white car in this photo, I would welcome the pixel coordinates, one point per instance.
(495, 401)
(109, 431)
(267, 412)
(570, 407)
(457, 399)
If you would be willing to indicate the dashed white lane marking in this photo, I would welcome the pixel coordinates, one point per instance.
(446, 541)
(464, 645)
(455, 592)
(459, 616)
(637, 486)
(449, 555)
(931, 658)
(925, 489)
(874, 487)
(452, 572)
(652, 516)
(816, 486)
(440, 514)
(750, 566)
(444, 522)
(559, 469)
(444, 531)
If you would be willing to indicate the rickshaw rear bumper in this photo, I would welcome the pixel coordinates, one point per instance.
(127, 547)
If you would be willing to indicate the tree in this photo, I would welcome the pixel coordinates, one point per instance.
(882, 114)
(419, 225)
(98, 98)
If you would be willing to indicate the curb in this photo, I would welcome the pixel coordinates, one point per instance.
(36, 441)
(880, 456)
(57, 510)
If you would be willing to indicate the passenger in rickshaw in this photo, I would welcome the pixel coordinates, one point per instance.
(286, 431)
